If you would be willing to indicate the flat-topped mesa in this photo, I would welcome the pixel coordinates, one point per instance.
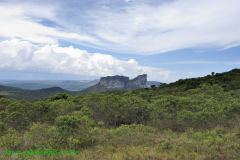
(111, 83)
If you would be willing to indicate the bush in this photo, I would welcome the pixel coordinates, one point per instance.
(132, 135)
(76, 130)
(47, 111)
(41, 136)
(11, 140)
(115, 110)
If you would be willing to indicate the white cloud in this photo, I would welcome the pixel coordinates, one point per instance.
(22, 22)
(144, 28)
(139, 27)
(25, 56)
(170, 26)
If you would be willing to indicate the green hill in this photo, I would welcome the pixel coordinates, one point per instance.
(228, 80)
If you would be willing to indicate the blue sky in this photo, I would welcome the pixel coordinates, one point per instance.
(88, 39)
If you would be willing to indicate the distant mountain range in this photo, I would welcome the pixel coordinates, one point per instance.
(71, 85)
(228, 80)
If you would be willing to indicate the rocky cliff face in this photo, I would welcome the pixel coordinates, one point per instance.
(114, 82)
(111, 83)
(138, 82)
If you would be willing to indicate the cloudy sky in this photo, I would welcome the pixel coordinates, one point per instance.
(87, 39)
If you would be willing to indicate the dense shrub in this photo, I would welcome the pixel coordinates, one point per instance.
(59, 96)
(76, 130)
(41, 136)
(11, 140)
(115, 110)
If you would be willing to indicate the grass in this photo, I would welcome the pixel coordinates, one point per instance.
(139, 142)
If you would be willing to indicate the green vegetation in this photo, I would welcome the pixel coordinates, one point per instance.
(187, 120)
(17, 93)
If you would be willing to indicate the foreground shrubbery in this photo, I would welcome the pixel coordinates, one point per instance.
(200, 123)
(141, 142)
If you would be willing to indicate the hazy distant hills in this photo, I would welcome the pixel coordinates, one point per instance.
(40, 89)
(71, 85)
(18, 93)
(153, 83)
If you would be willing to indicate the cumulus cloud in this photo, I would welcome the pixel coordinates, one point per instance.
(26, 56)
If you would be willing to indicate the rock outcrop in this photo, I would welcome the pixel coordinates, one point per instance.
(114, 82)
(138, 82)
(111, 83)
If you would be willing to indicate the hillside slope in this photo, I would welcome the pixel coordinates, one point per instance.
(12, 92)
(228, 80)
